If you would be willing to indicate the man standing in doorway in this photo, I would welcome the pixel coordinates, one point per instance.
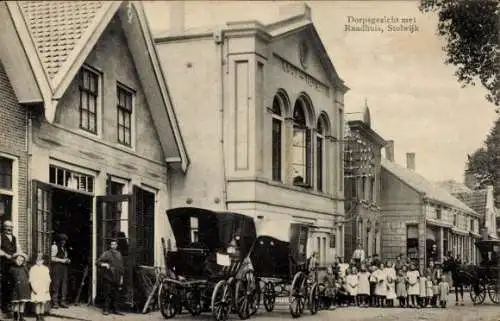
(60, 262)
(112, 263)
(8, 246)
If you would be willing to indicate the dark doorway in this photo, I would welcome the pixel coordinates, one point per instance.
(71, 215)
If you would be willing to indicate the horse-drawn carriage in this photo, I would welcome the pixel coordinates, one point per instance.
(210, 266)
(485, 278)
(282, 268)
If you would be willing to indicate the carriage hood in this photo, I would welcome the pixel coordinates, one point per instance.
(215, 230)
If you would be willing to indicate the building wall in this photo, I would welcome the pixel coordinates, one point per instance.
(13, 133)
(400, 206)
(65, 145)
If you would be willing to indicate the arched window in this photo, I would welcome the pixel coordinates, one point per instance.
(301, 153)
(278, 104)
(320, 152)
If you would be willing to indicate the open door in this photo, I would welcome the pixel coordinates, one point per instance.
(42, 217)
(115, 219)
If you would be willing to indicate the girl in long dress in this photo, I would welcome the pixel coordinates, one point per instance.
(381, 287)
(401, 291)
(429, 293)
(364, 286)
(21, 285)
(352, 284)
(39, 277)
(413, 286)
(423, 288)
(444, 290)
(390, 274)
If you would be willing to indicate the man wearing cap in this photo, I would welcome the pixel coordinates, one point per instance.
(8, 246)
(111, 262)
(59, 269)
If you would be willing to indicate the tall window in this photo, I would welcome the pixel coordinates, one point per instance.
(5, 173)
(124, 109)
(89, 89)
(320, 146)
(276, 143)
(301, 158)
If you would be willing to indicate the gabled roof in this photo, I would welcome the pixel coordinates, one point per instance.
(423, 186)
(299, 21)
(58, 36)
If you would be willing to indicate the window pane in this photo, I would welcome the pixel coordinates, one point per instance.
(127, 119)
(319, 164)
(5, 173)
(92, 122)
(127, 137)
(92, 103)
(276, 153)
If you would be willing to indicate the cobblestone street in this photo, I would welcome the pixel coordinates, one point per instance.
(469, 312)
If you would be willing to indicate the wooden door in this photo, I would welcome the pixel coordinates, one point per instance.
(42, 217)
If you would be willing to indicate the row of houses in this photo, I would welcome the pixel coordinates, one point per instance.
(105, 126)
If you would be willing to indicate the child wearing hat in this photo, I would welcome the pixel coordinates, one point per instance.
(21, 285)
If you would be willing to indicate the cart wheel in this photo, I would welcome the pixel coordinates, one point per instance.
(478, 293)
(494, 292)
(168, 302)
(297, 297)
(314, 299)
(269, 296)
(256, 298)
(193, 302)
(243, 299)
(221, 301)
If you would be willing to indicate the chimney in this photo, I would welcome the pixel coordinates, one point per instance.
(389, 150)
(410, 161)
(295, 9)
(177, 14)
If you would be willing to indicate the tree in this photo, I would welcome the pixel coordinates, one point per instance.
(483, 166)
(471, 31)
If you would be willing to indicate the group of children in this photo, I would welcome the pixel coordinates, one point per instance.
(379, 285)
(29, 285)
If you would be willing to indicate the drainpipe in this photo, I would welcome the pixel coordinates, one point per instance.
(219, 41)
(29, 192)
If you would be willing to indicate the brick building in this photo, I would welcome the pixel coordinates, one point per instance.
(421, 219)
(103, 136)
(262, 109)
(14, 115)
(362, 157)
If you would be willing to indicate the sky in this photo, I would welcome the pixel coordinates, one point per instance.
(414, 98)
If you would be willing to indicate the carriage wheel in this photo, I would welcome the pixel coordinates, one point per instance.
(193, 302)
(269, 296)
(314, 299)
(168, 302)
(494, 292)
(245, 295)
(478, 293)
(297, 297)
(221, 301)
(256, 301)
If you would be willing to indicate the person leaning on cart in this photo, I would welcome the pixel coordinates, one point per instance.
(112, 263)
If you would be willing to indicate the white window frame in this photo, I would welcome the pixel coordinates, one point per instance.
(14, 192)
(99, 98)
(133, 94)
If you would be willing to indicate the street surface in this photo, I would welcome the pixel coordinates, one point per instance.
(469, 312)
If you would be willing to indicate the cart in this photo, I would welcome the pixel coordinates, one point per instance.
(485, 277)
(281, 266)
(203, 271)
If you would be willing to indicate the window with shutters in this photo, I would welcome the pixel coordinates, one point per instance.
(145, 210)
(89, 99)
(301, 146)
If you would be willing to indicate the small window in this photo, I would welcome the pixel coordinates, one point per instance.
(438, 212)
(5, 173)
(124, 111)
(89, 89)
(193, 222)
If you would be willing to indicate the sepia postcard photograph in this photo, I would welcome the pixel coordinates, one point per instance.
(237, 160)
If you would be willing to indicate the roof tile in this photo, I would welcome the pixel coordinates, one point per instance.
(56, 27)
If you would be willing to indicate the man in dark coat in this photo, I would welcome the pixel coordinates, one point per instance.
(59, 271)
(8, 247)
(112, 266)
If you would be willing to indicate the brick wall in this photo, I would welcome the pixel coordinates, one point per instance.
(13, 128)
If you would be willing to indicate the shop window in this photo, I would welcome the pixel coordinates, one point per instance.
(70, 179)
(412, 241)
(89, 93)
(124, 111)
(5, 173)
(301, 154)
(277, 129)
(193, 222)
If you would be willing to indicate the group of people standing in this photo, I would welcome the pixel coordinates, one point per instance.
(46, 280)
(369, 282)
